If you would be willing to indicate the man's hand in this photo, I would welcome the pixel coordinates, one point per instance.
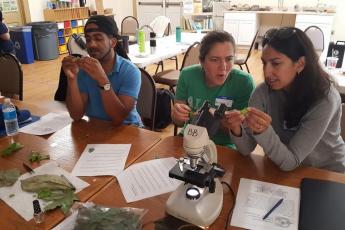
(70, 67)
(94, 69)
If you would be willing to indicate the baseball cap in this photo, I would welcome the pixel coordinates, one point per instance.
(105, 24)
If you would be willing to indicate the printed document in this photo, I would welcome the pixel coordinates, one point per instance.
(21, 201)
(147, 179)
(49, 123)
(255, 198)
(102, 160)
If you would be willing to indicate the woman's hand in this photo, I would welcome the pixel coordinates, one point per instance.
(180, 113)
(70, 67)
(257, 120)
(233, 120)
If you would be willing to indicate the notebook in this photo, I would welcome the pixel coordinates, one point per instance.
(322, 205)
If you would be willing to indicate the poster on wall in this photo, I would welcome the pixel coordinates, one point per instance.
(8, 5)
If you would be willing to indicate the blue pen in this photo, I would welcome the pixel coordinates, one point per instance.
(273, 208)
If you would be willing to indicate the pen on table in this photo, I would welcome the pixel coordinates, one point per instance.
(273, 208)
(28, 168)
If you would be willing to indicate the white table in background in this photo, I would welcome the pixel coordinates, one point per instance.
(338, 77)
(167, 47)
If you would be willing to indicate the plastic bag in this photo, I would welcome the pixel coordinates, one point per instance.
(92, 216)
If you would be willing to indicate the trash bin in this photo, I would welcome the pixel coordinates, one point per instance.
(21, 37)
(45, 40)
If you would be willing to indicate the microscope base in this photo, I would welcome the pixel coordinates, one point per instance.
(201, 212)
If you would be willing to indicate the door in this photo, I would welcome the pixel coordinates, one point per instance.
(174, 10)
(11, 10)
(147, 10)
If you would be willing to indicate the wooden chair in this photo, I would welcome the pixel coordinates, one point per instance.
(146, 103)
(11, 76)
(243, 60)
(170, 77)
(129, 26)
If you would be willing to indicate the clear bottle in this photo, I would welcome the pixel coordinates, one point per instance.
(10, 118)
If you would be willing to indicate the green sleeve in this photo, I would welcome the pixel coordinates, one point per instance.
(181, 90)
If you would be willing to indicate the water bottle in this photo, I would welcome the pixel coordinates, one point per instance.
(141, 41)
(178, 34)
(10, 118)
(153, 43)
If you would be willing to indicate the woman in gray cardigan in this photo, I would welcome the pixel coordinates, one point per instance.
(295, 114)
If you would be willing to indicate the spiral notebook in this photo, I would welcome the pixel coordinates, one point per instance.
(322, 205)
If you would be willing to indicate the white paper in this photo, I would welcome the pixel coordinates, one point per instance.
(49, 123)
(21, 202)
(255, 198)
(102, 159)
(147, 179)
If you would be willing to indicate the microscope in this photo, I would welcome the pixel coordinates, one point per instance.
(199, 200)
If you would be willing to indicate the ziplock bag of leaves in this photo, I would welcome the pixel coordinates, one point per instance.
(97, 217)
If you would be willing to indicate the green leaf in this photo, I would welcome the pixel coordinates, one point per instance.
(65, 202)
(8, 177)
(37, 156)
(44, 194)
(244, 112)
(11, 149)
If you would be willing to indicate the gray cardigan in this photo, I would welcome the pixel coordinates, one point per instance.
(315, 142)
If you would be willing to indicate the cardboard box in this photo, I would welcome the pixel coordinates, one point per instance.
(99, 7)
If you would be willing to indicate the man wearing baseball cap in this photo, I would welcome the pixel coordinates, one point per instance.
(6, 45)
(105, 85)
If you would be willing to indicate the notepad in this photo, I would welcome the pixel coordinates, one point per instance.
(322, 205)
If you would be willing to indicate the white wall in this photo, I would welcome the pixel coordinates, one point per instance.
(338, 23)
(121, 8)
(36, 8)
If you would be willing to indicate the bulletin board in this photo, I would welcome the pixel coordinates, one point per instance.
(8, 5)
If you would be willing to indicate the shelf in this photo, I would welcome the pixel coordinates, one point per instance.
(65, 14)
(66, 28)
(200, 14)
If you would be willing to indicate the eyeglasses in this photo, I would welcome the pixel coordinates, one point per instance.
(279, 34)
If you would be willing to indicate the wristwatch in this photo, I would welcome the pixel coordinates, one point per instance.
(105, 87)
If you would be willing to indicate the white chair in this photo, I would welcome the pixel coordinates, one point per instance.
(316, 36)
(160, 25)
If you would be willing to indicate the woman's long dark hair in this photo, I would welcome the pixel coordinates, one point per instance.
(311, 84)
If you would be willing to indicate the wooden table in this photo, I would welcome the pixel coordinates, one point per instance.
(237, 166)
(65, 147)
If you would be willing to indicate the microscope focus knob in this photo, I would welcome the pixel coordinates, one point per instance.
(192, 193)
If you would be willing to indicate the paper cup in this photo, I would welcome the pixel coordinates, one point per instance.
(332, 62)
